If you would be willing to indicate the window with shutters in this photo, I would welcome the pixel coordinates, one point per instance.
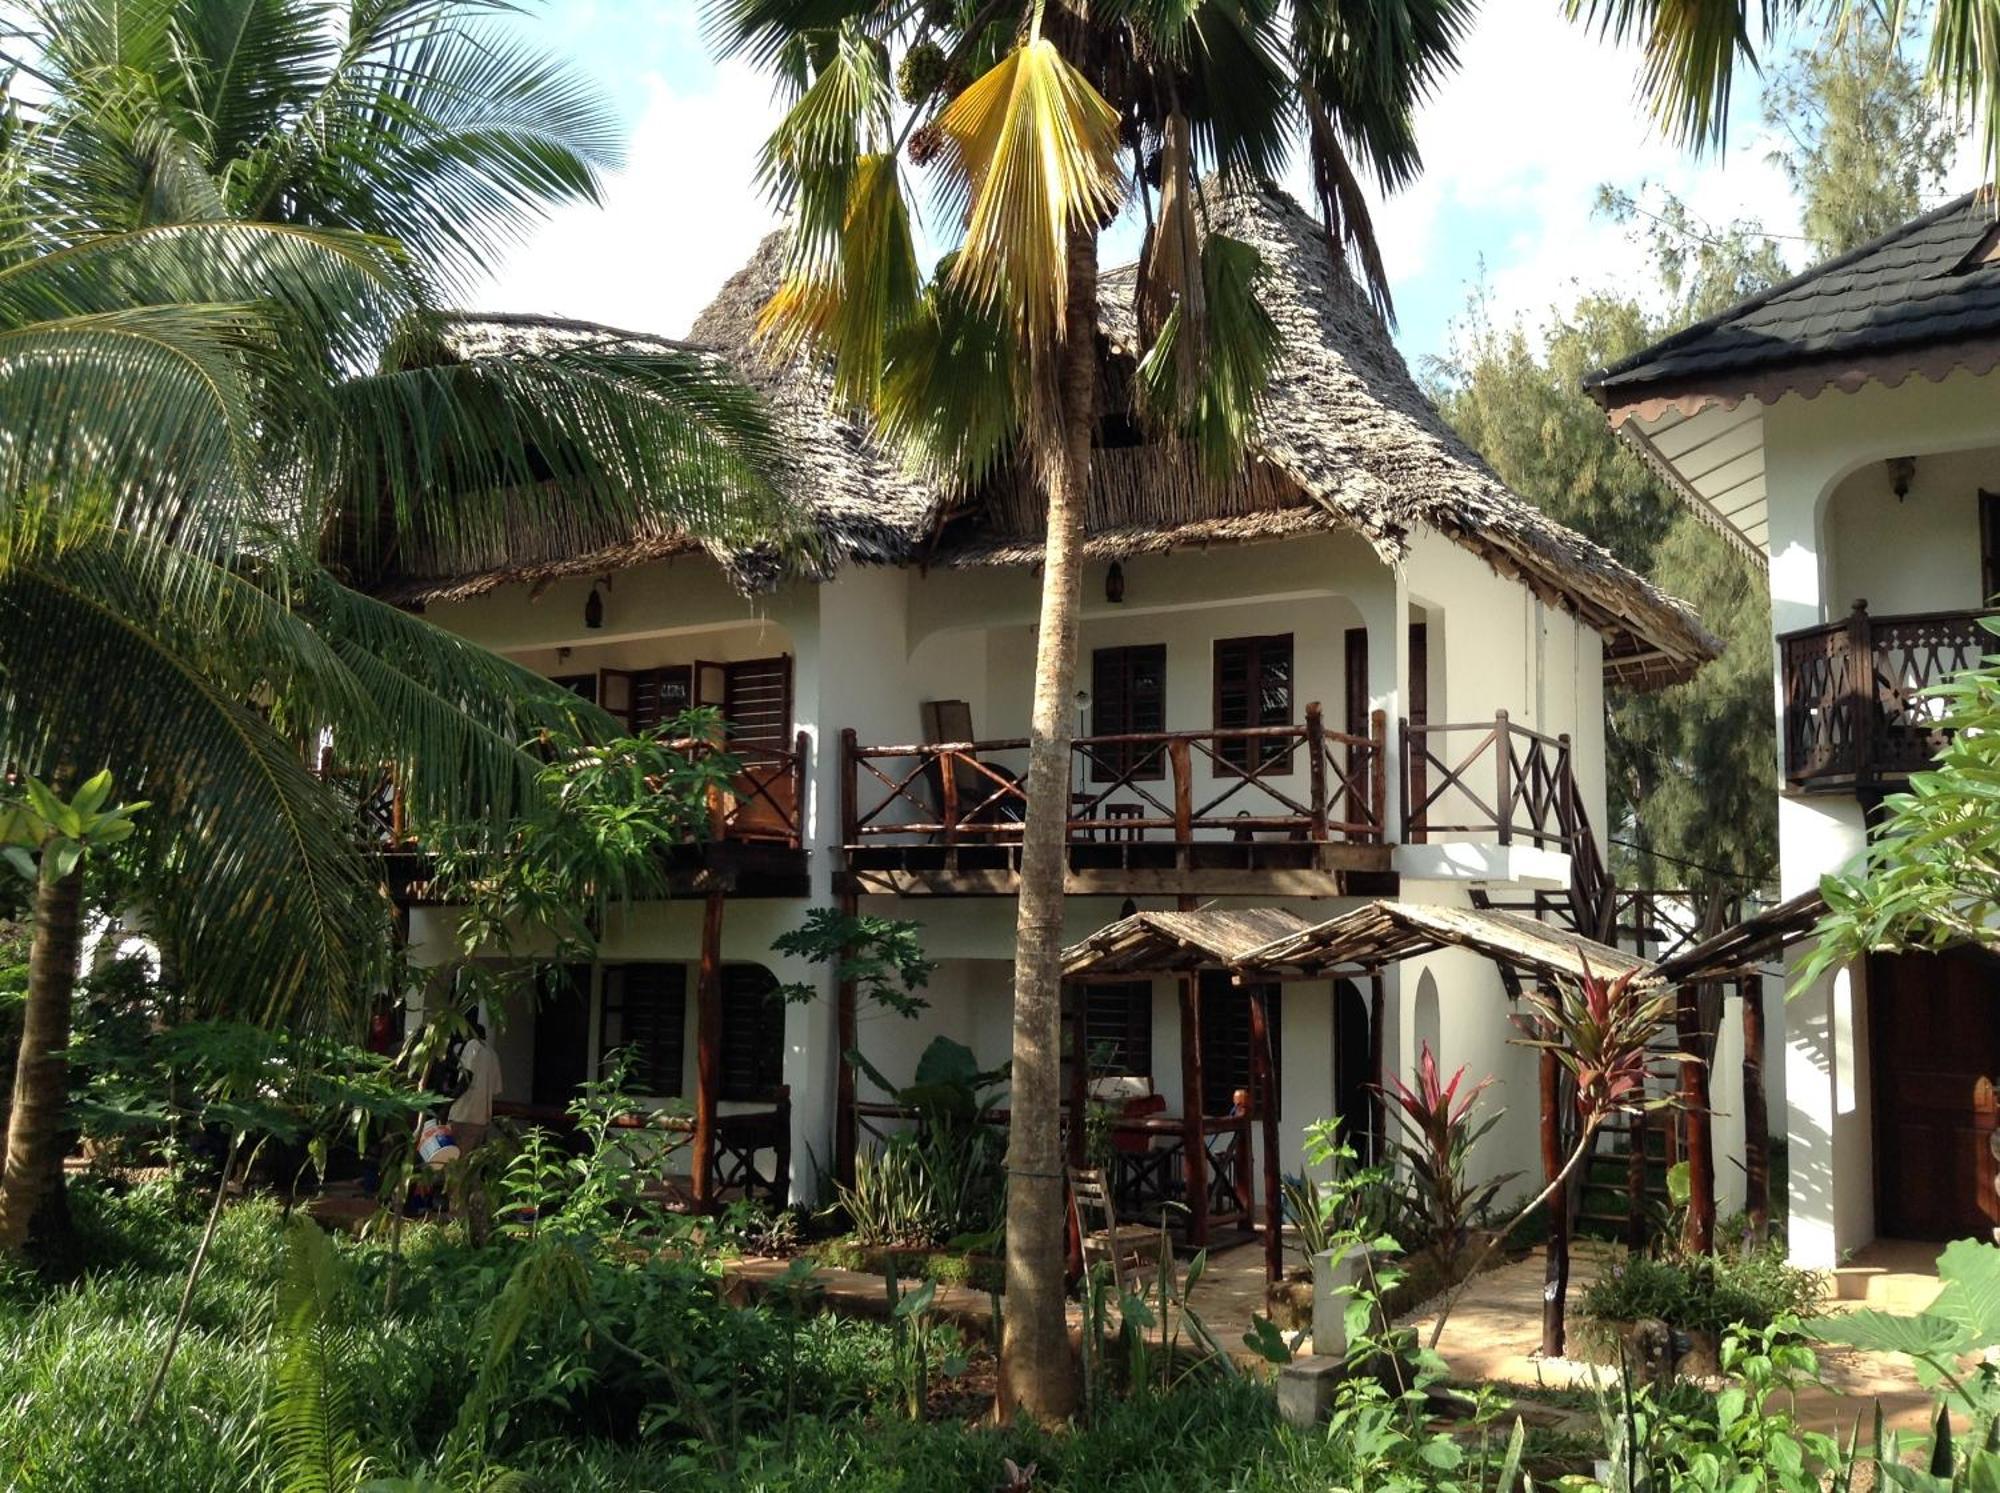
(1253, 687)
(659, 696)
(757, 704)
(1118, 1028)
(645, 1012)
(583, 686)
(1128, 696)
(752, 1056)
(1225, 1038)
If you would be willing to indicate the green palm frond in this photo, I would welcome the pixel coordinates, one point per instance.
(764, 30)
(1212, 397)
(874, 289)
(808, 165)
(1964, 68)
(1692, 50)
(951, 394)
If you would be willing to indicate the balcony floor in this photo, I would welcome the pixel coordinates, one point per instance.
(1218, 868)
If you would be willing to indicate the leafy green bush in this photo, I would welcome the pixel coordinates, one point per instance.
(1706, 1293)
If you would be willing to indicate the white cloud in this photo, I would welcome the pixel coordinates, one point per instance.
(679, 219)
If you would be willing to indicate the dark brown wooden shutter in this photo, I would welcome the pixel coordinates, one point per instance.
(1118, 1027)
(659, 696)
(1128, 696)
(1225, 1038)
(1253, 687)
(752, 1056)
(757, 704)
(645, 1010)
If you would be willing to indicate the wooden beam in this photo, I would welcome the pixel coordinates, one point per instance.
(1194, 1140)
(1378, 1111)
(1756, 1112)
(1555, 1278)
(707, 1051)
(1699, 1122)
(1264, 1075)
(1339, 862)
(846, 1132)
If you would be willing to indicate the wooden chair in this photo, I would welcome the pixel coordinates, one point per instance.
(1129, 1247)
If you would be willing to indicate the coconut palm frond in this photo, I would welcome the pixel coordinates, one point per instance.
(951, 397)
(447, 459)
(1964, 68)
(1211, 394)
(764, 31)
(313, 1416)
(1170, 278)
(1692, 50)
(263, 887)
(446, 136)
(1030, 153)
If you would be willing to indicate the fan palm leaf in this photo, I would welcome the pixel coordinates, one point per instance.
(1030, 157)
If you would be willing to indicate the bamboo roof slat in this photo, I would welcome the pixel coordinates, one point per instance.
(1748, 943)
(1178, 942)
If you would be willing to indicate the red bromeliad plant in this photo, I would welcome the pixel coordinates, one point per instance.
(1436, 1120)
(1602, 1032)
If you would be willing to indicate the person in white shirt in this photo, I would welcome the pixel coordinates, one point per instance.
(472, 1111)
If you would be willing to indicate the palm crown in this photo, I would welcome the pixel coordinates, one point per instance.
(225, 228)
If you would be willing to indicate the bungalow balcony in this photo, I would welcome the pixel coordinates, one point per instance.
(1855, 715)
(754, 843)
(1298, 810)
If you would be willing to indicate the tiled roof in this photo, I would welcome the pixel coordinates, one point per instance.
(1918, 286)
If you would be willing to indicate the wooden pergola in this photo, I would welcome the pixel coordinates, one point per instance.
(1259, 946)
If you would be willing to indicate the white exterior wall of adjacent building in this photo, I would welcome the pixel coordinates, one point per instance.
(1837, 535)
(873, 644)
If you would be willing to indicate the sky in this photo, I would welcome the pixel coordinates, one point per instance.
(1516, 145)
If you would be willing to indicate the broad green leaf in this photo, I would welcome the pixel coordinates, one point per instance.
(1884, 1332)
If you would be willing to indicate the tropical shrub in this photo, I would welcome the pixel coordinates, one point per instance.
(1707, 1293)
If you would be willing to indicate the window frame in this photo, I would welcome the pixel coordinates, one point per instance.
(739, 1044)
(1132, 1013)
(1250, 756)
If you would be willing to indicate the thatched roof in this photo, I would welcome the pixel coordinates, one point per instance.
(1347, 441)
(1269, 942)
(1382, 933)
(1178, 942)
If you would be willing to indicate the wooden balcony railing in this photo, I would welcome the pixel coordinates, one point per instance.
(1505, 783)
(762, 803)
(1165, 786)
(1853, 694)
(765, 799)
(1488, 780)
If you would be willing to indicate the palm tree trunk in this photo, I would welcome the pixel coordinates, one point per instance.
(41, 1073)
(1038, 1376)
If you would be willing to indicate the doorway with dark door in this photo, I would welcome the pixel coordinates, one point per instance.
(1934, 1041)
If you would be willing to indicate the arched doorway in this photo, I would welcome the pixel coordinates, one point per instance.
(1353, 1052)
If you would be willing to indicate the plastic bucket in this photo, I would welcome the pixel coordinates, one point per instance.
(435, 1145)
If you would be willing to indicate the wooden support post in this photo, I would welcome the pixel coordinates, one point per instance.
(1180, 761)
(1378, 1112)
(1378, 776)
(1264, 1075)
(850, 814)
(1194, 1138)
(1503, 778)
(1555, 1278)
(1756, 1112)
(1635, 1180)
(1700, 1130)
(1413, 833)
(846, 1131)
(707, 1052)
(1079, 1074)
(1316, 768)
